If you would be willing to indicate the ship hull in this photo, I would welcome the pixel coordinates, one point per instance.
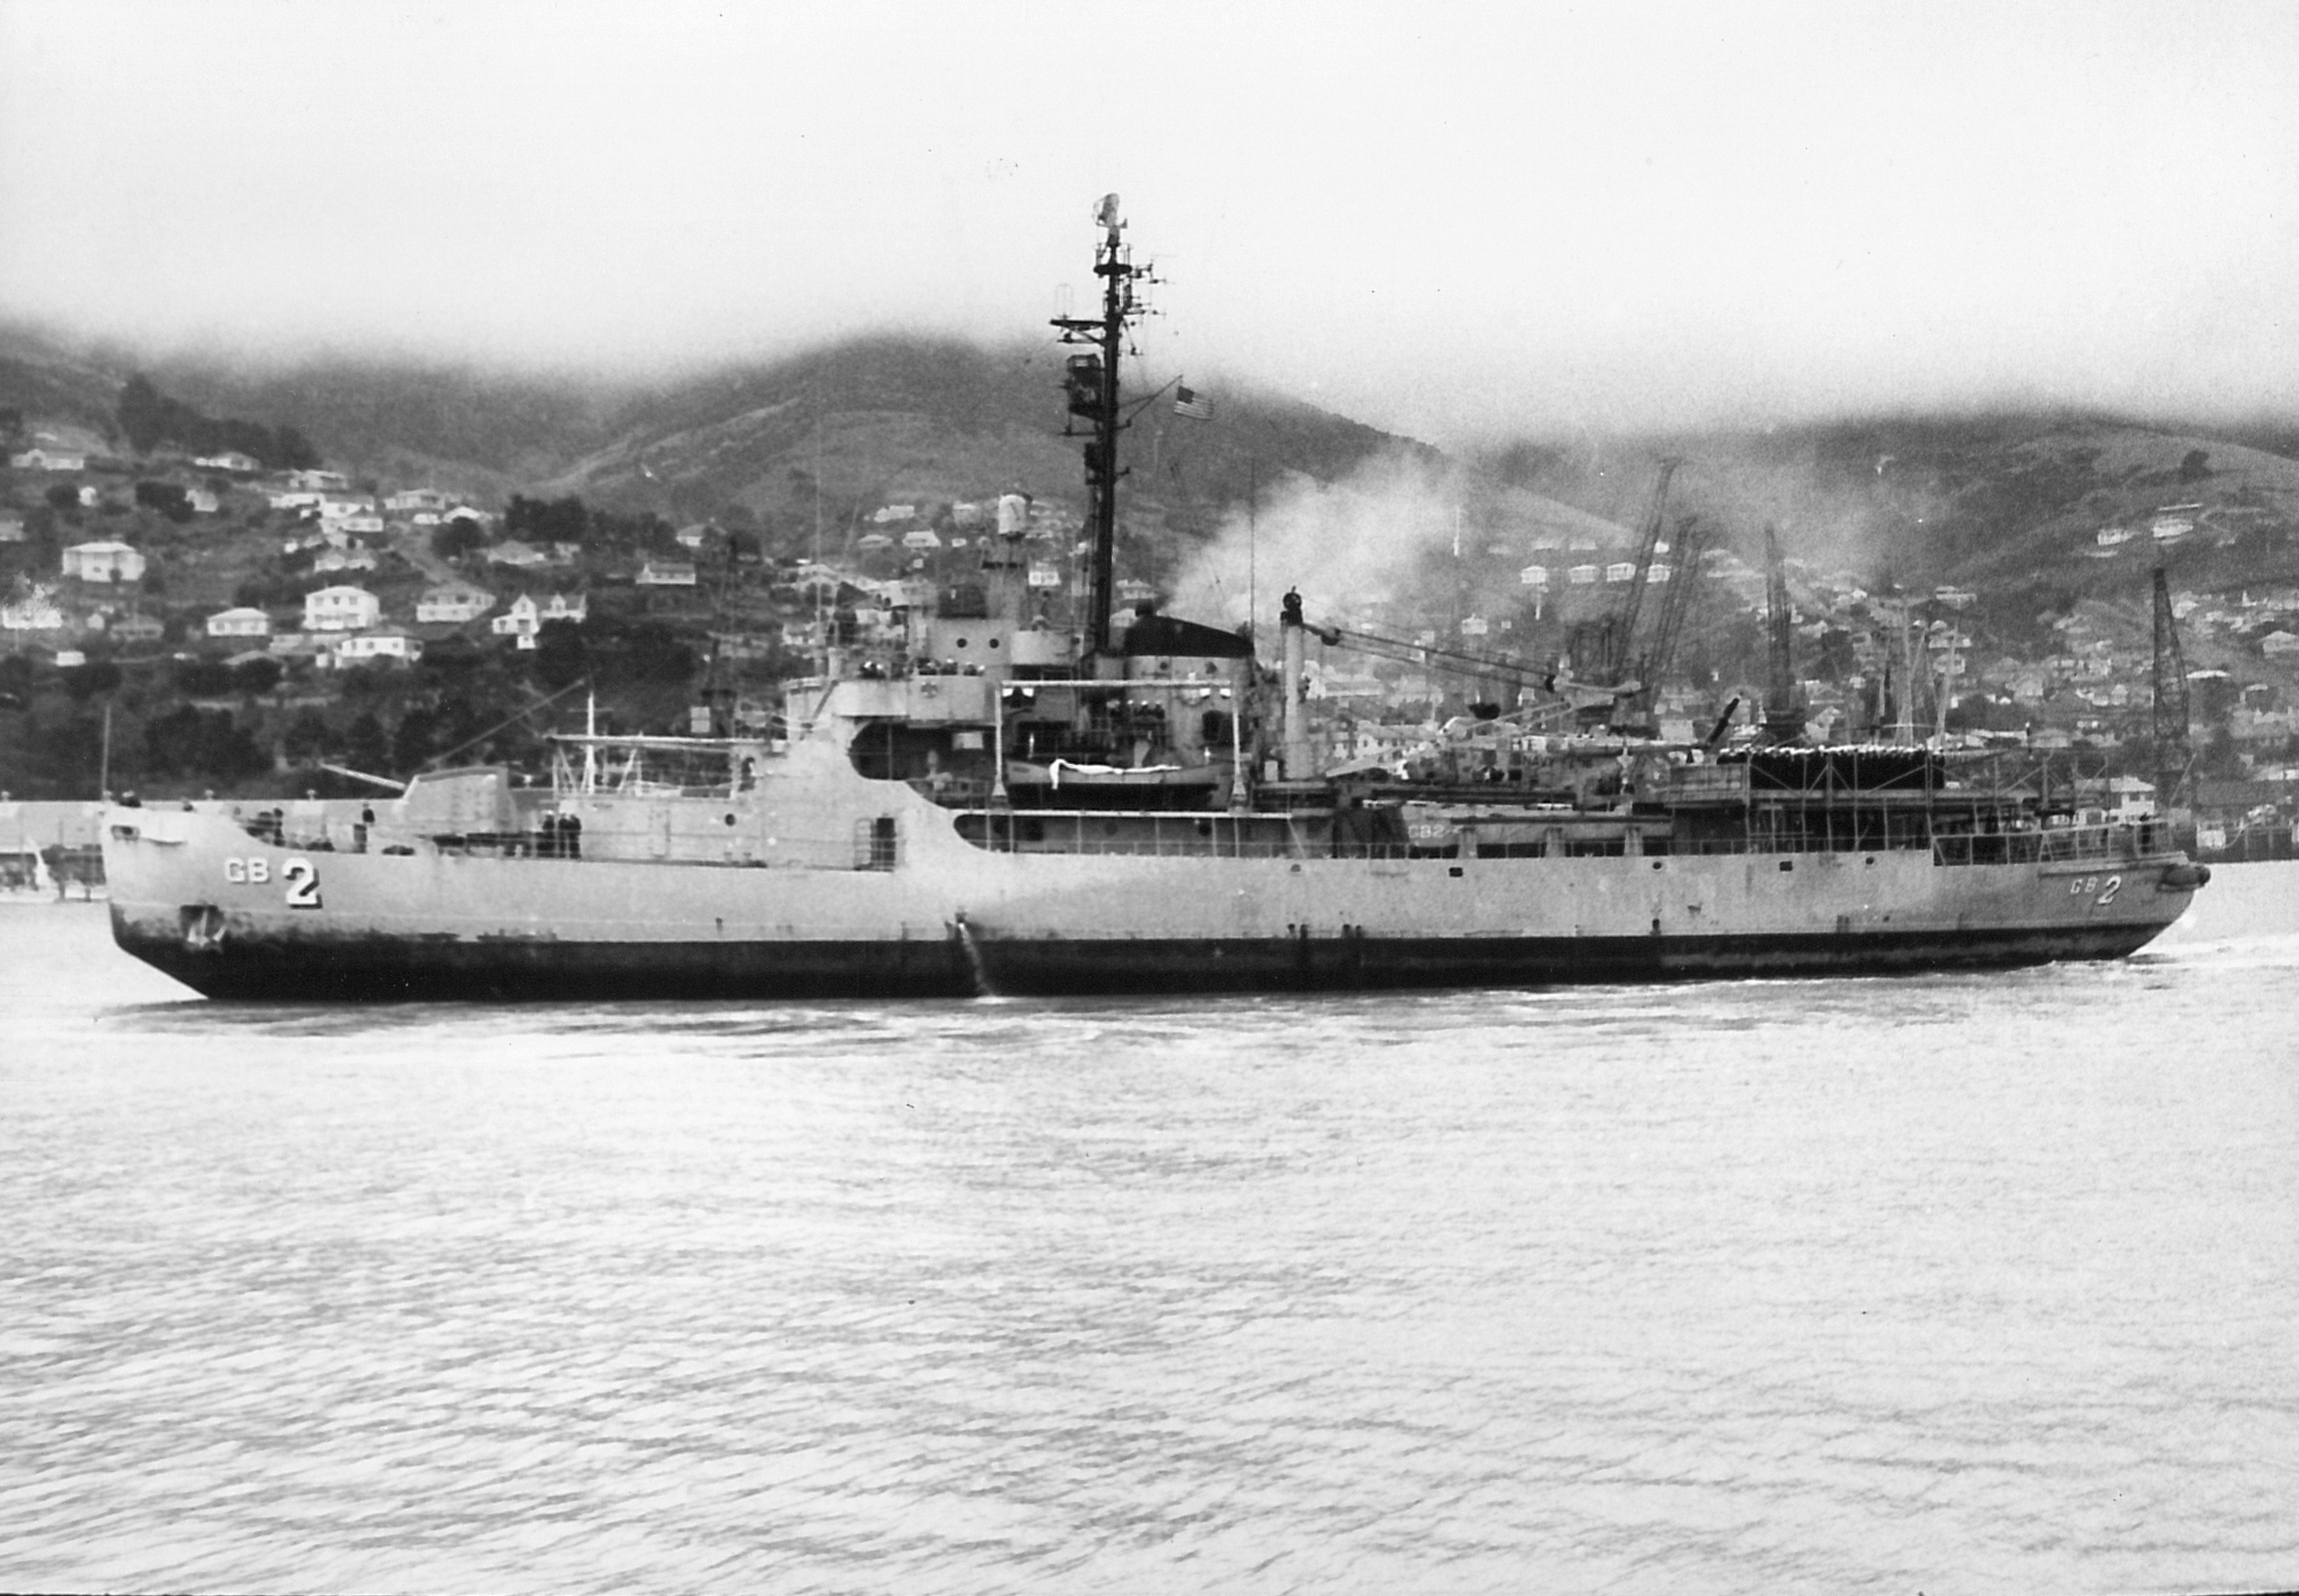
(253, 969)
(199, 898)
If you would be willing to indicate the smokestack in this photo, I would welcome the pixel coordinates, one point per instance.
(1299, 759)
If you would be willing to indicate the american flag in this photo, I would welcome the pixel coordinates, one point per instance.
(1186, 401)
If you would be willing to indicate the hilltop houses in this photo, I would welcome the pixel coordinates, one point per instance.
(525, 618)
(105, 561)
(453, 605)
(133, 628)
(343, 558)
(231, 461)
(363, 647)
(241, 622)
(41, 457)
(32, 609)
(520, 556)
(341, 609)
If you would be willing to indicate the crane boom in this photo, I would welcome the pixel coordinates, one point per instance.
(1675, 603)
(1620, 646)
(2170, 710)
(1783, 718)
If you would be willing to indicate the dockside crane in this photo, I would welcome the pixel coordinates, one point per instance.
(1659, 653)
(1648, 544)
(2168, 718)
(1783, 717)
(1614, 643)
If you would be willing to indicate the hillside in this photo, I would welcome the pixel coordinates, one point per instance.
(2044, 527)
(776, 447)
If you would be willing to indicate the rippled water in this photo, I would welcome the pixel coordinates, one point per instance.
(1962, 1284)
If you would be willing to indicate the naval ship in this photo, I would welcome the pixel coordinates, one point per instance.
(967, 798)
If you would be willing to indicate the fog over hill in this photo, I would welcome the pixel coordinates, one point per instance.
(805, 448)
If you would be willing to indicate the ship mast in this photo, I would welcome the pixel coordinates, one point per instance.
(1091, 382)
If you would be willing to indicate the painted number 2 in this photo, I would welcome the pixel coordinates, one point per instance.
(2106, 887)
(301, 876)
(303, 883)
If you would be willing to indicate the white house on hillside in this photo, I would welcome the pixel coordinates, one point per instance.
(341, 609)
(47, 459)
(525, 617)
(415, 499)
(32, 609)
(230, 460)
(103, 562)
(511, 551)
(453, 605)
(365, 646)
(243, 622)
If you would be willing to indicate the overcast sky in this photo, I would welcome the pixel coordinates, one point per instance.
(1457, 220)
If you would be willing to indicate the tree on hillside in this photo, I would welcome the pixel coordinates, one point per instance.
(307, 736)
(149, 418)
(258, 676)
(143, 413)
(84, 681)
(291, 451)
(202, 678)
(415, 739)
(189, 741)
(455, 538)
(166, 498)
(365, 745)
(561, 659)
(556, 520)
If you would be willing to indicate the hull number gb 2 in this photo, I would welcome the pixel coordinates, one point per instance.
(301, 876)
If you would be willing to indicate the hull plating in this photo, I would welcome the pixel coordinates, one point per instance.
(190, 898)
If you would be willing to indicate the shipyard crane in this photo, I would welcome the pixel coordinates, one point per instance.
(1620, 641)
(1783, 718)
(1659, 653)
(2170, 717)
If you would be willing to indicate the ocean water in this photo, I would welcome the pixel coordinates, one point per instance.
(1952, 1283)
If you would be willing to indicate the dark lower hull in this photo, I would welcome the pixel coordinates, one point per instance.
(419, 970)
